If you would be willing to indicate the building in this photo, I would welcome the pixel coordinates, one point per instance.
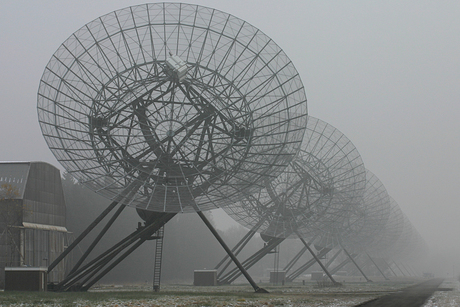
(32, 217)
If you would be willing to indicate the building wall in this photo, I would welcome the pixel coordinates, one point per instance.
(38, 236)
(10, 234)
(41, 247)
(43, 196)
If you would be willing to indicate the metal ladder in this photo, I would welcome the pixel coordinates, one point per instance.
(157, 261)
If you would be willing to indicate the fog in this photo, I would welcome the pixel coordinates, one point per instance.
(385, 73)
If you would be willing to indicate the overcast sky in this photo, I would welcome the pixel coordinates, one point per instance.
(385, 73)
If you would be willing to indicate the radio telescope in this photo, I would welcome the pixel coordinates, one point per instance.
(385, 239)
(187, 105)
(369, 216)
(409, 246)
(327, 165)
(357, 222)
(171, 107)
(298, 203)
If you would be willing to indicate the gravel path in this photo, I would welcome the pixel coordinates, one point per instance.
(449, 296)
(413, 296)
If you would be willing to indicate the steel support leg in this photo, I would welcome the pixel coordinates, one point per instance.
(250, 261)
(408, 272)
(340, 266)
(229, 252)
(332, 259)
(375, 264)
(294, 260)
(143, 234)
(357, 266)
(394, 262)
(82, 236)
(88, 271)
(236, 250)
(98, 238)
(389, 266)
(305, 266)
(132, 188)
(319, 261)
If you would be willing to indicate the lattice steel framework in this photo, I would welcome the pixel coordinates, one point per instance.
(188, 105)
(410, 245)
(368, 218)
(299, 200)
(385, 240)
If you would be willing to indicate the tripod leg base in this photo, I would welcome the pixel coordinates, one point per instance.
(337, 284)
(261, 290)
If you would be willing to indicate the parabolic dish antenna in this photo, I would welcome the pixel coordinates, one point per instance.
(298, 203)
(386, 239)
(176, 107)
(368, 217)
(299, 200)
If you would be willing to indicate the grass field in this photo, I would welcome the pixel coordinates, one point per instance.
(293, 294)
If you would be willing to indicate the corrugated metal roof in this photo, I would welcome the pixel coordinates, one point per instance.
(24, 268)
(44, 227)
(15, 173)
